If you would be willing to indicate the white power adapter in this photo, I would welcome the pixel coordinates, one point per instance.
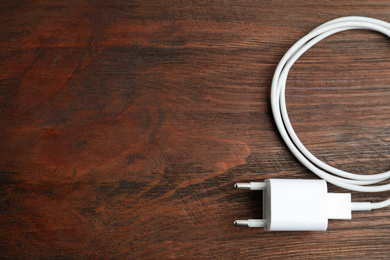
(306, 204)
(297, 205)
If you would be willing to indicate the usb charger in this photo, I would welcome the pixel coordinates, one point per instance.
(297, 205)
(303, 205)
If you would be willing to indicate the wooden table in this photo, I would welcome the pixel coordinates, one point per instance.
(125, 124)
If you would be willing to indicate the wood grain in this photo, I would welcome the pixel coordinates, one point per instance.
(125, 124)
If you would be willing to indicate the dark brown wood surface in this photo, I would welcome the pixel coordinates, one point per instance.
(125, 124)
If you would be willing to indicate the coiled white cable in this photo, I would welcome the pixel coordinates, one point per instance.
(331, 174)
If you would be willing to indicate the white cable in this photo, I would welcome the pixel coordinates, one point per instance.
(331, 174)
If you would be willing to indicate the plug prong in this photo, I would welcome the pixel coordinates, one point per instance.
(241, 223)
(251, 223)
(242, 186)
(251, 186)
